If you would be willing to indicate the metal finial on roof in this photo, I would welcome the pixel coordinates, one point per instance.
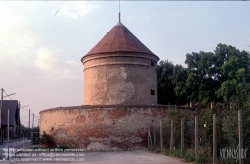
(119, 13)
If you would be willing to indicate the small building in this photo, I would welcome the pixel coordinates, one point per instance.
(14, 119)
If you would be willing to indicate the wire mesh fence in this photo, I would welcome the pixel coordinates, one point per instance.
(209, 142)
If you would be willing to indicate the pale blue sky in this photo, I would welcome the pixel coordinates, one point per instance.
(40, 53)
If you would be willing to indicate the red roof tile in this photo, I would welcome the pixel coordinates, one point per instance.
(119, 39)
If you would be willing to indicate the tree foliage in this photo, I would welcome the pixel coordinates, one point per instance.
(171, 83)
(210, 76)
(221, 76)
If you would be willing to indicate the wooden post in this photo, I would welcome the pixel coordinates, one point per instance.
(161, 138)
(149, 137)
(196, 139)
(154, 135)
(240, 136)
(214, 139)
(182, 137)
(172, 136)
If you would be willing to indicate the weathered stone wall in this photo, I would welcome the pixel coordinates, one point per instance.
(125, 79)
(101, 127)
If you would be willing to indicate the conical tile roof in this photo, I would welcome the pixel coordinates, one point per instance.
(119, 39)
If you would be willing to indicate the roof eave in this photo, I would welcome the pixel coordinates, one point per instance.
(132, 52)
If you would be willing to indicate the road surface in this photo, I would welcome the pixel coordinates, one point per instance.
(120, 157)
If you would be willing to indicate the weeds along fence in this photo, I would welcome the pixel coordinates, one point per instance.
(203, 136)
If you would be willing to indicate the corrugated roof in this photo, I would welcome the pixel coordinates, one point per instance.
(12, 105)
(119, 39)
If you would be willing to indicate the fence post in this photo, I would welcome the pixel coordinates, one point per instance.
(182, 137)
(172, 136)
(196, 138)
(214, 139)
(154, 135)
(161, 137)
(240, 133)
(149, 137)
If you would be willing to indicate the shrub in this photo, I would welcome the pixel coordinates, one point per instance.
(63, 147)
(47, 140)
(204, 159)
(189, 155)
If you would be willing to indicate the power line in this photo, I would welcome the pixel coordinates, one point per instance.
(24, 111)
(23, 107)
(26, 121)
(7, 94)
(25, 116)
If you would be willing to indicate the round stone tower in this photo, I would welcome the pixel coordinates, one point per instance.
(120, 97)
(120, 69)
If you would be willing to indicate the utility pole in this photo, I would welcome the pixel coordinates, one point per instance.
(8, 132)
(38, 122)
(29, 124)
(33, 121)
(1, 108)
(18, 128)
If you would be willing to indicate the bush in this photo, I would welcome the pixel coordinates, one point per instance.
(47, 140)
(63, 147)
(189, 155)
(176, 153)
(204, 159)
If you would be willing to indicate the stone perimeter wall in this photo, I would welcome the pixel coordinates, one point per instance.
(101, 127)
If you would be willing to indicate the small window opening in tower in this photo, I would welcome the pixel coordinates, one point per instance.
(152, 63)
(152, 92)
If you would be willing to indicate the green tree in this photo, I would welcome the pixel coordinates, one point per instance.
(165, 88)
(233, 67)
(178, 80)
(217, 75)
(202, 80)
(171, 81)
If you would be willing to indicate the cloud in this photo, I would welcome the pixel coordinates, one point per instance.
(49, 64)
(76, 9)
(45, 59)
(17, 37)
(72, 62)
(40, 74)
